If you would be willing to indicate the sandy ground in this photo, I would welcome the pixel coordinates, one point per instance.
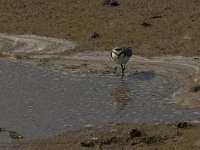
(151, 27)
(181, 136)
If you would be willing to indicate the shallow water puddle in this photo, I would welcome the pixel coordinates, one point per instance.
(37, 102)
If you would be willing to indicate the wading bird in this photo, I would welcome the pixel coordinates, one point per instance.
(121, 55)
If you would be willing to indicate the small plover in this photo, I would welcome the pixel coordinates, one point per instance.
(121, 55)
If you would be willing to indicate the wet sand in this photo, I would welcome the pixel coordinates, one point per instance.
(153, 28)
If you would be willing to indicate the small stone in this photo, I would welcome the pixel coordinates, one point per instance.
(145, 24)
(94, 35)
(110, 2)
(114, 3)
(196, 88)
(87, 144)
(182, 125)
(135, 133)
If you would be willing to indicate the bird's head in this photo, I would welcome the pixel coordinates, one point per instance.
(117, 50)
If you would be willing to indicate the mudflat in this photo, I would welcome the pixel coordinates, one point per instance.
(150, 27)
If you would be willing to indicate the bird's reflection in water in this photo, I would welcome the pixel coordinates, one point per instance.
(121, 95)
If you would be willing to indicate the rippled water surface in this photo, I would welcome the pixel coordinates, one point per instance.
(37, 102)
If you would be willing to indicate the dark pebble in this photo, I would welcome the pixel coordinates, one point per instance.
(196, 88)
(182, 125)
(110, 2)
(145, 24)
(114, 3)
(135, 133)
(95, 35)
(87, 144)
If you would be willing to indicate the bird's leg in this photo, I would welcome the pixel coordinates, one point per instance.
(123, 69)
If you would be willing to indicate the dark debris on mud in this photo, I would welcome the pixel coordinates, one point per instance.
(183, 125)
(13, 134)
(196, 88)
(94, 35)
(145, 24)
(110, 2)
(133, 138)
